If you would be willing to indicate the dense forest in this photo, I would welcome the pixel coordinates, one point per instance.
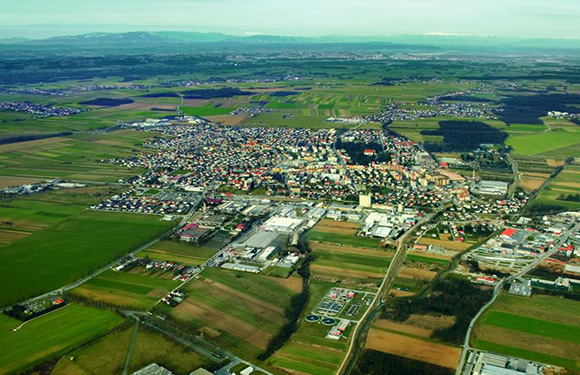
(462, 136)
(453, 297)
(373, 362)
(527, 109)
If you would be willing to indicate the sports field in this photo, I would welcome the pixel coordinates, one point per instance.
(540, 328)
(244, 310)
(181, 252)
(50, 335)
(70, 249)
(125, 289)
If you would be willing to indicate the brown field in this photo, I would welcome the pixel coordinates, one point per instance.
(451, 245)
(31, 145)
(7, 236)
(527, 341)
(315, 245)
(332, 226)
(227, 119)
(255, 305)
(413, 273)
(189, 309)
(531, 183)
(340, 272)
(402, 327)
(430, 352)
(537, 174)
(430, 255)
(554, 162)
(6, 181)
(292, 283)
(401, 293)
(431, 322)
(567, 184)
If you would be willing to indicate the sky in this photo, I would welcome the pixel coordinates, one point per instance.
(515, 18)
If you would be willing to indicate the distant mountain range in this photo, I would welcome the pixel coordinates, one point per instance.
(143, 39)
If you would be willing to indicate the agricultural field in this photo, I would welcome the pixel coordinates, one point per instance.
(70, 249)
(564, 190)
(240, 311)
(343, 239)
(175, 251)
(412, 345)
(559, 143)
(50, 335)
(107, 355)
(359, 263)
(539, 328)
(308, 351)
(77, 157)
(124, 289)
(24, 216)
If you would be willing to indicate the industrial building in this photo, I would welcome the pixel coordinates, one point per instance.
(282, 224)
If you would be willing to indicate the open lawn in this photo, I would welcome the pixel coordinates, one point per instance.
(70, 249)
(50, 335)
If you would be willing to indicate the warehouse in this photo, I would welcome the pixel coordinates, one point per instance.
(263, 239)
(282, 224)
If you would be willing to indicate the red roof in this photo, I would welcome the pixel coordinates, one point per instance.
(508, 232)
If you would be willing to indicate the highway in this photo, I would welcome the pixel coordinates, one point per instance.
(497, 290)
(368, 317)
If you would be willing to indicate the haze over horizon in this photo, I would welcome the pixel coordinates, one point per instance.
(514, 18)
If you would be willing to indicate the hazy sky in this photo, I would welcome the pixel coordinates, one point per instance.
(523, 18)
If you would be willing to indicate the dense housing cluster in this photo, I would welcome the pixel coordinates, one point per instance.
(40, 110)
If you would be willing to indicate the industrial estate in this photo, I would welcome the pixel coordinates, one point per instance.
(287, 208)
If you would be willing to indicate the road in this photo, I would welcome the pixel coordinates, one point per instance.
(131, 347)
(497, 290)
(516, 173)
(366, 320)
(196, 344)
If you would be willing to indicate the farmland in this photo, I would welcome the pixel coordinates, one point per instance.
(107, 355)
(65, 251)
(561, 188)
(244, 310)
(308, 351)
(50, 335)
(125, 289)
(540, 328)
(181, 252)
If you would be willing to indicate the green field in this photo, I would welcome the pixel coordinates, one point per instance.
(308, 351)
(181, 252)
(124, 289)
(243, 311)
(541, 328)
(107, 355)
(557, 143)
(206, 111)
(565, 184)
(71, 249)
(343, 239)
(50, 335)
(78, 157)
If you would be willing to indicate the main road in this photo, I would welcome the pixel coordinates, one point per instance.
(497, 290)
(367, 318)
